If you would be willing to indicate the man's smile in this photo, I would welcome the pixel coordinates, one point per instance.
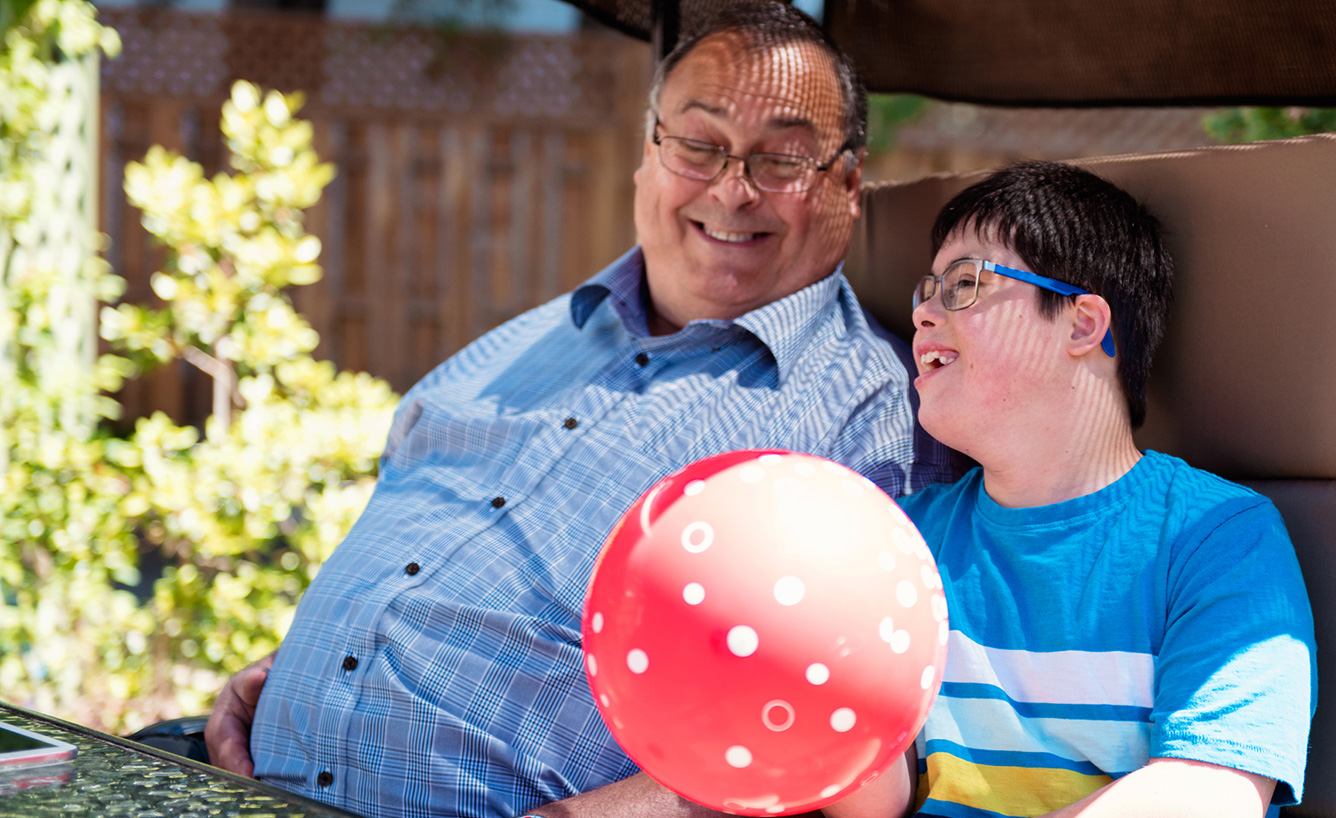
(729, 236)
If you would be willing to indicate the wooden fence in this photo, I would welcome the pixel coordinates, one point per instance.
(477, 176)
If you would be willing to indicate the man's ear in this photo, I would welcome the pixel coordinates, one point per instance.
(1091, 320)
(853, 180)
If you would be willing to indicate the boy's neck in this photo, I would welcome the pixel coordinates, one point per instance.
(1071, 450)
(1027, 485)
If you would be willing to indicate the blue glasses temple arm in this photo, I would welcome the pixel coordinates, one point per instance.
(1052, 285)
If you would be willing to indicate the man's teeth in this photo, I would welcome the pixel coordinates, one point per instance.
(721, 235)
(937, 356)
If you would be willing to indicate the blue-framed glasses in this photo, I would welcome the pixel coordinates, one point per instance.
(960, 287)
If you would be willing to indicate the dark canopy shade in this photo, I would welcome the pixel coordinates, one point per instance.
(1064, 52)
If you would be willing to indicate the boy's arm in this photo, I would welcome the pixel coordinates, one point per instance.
(1176, 788)
(636, 797)
(890, 796)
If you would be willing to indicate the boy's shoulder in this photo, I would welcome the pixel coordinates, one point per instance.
(1161, 489)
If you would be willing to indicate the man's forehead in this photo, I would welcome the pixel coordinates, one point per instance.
(789, 83)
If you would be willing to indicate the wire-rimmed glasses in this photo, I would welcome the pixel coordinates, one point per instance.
(769, 172)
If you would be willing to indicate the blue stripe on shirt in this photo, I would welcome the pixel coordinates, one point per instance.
(1046, 710)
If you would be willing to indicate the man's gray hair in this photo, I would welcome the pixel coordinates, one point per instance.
(765, 25)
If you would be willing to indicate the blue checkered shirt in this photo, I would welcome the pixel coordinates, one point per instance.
(434, 664)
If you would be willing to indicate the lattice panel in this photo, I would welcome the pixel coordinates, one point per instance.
(58, 238)
(167, 53)
(349, 67)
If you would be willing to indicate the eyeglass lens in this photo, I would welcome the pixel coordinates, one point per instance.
(771, 172)
(960, 286)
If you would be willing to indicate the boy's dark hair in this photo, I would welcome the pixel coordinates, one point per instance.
(1069, 224)
(767, 25)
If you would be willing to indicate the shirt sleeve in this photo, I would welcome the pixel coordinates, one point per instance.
(1235, 677)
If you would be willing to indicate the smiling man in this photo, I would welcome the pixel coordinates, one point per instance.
(434, 665)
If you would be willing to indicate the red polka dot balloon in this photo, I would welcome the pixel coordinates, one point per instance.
(764, 632)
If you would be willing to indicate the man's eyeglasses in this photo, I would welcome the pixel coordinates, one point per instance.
(960, 287)
(769, 172)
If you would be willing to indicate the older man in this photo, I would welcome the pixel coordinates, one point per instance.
(434, 664)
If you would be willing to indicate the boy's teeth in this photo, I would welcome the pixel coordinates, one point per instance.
(940, 357)
(724, 236)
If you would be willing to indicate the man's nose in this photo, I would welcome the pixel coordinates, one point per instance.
(734, 186)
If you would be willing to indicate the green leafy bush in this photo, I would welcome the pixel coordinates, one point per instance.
(1236, 125)
(232, 522)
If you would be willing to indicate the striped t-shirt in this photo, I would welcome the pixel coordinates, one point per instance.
(1163, 616)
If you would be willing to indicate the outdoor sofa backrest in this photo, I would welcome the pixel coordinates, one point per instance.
(1245, 382)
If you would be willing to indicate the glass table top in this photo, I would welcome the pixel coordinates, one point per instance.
(113, 777)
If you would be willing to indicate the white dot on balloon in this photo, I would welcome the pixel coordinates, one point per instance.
(603, 697)
(943, 632)
(697, 537)
(769, 459)
(853, 488)
(596, 622)
(817, 673)
(693, 488)
(833, 468)
(886, 561)
(843, 720)
(738, 756)
(789, 591)
(830, 791)
(929, 673)
(886, 629)
(906, 593)
(743, 641)
(900, 641)
(778, 715)
(637, 660)
(693, 593)
(928, 576)
(751, 474)
(902, 540)
(938, 607)
(777, 809)
(592, 663)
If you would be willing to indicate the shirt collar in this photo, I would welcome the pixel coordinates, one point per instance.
(783, 326)
(624, 281)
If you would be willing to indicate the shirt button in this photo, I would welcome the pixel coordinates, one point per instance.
(325, 778)
(497, 502)
(570, 423)
(350, 663)
(412, 568)
(642, 359)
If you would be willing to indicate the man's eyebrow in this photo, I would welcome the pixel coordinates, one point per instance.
(775, 122)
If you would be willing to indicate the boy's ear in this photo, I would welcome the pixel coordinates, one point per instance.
(1091, 319)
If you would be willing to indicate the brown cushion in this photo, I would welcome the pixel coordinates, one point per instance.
(1309, 509)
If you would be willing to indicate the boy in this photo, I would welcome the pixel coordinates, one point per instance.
(1129, 636)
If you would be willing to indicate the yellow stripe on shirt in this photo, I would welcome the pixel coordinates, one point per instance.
(1015, 791)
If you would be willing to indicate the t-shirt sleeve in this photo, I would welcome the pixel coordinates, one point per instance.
(1235, 677)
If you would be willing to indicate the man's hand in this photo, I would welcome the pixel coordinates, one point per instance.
(228, 732)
